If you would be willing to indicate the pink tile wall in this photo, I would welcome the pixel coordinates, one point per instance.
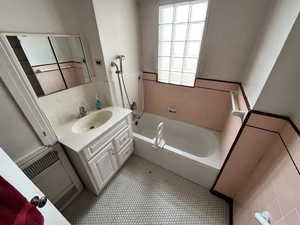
(216, 85)
(149, 76)
(73, 76)
(260, 175)
(50, 81)
(203, 106)
(292, 140)
(212, 108)
(267, 122)
(247, 153)
(273, 186)
(231, 128)
(242, 102)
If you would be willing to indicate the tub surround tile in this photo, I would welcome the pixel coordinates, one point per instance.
(260, 174)
(149, 76)
(254, 201)
(218, 85)
(292, 141)
(285, 185)
(252, 222)
(201, 107)
(280, 222)
(231, 129)
(267, 122)
(242, 101)
(274, 210)
(245, 157)
(292, 218)
(207, 105)
(273, 182)
(274, 188)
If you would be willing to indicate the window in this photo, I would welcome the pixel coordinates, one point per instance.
(181, 28)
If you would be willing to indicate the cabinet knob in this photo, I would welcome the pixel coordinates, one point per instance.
(39, 202)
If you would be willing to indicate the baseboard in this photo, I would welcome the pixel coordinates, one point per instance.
(228, 200)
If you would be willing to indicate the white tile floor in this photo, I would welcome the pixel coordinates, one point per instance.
(144, 193)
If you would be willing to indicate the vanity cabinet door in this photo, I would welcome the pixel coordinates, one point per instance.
(104, 165)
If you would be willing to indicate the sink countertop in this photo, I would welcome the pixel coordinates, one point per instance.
(78, 141)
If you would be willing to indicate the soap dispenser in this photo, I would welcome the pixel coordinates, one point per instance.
(98, 103)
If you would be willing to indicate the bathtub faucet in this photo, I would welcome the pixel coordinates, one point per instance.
(159, 141)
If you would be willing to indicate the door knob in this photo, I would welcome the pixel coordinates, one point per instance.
(39, 202)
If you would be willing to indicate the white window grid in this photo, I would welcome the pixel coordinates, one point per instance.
(181, 75)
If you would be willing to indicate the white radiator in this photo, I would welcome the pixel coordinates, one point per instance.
(52, 172)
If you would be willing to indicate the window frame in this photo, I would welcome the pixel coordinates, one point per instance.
(201, 53)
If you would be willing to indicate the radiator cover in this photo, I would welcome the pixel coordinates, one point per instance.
(53, 174)
(41, 164)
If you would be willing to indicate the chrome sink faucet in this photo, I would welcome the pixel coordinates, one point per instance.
(82, 111)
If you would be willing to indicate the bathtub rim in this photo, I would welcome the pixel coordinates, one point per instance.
(207, 162)
(213, 153)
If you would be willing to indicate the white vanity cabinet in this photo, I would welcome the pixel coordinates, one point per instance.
(103, 157)
(104, 165)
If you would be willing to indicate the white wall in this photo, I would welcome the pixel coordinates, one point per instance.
(56, 16)
(64, 106)
(270, 42)
(17, 137)
(117, 22)
(281, 92)
(231, 31)
(53, 16)
(90, 35)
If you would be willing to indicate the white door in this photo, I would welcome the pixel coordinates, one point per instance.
(104, 165)
(14, 175)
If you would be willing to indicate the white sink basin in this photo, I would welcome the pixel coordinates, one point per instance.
(91, 121)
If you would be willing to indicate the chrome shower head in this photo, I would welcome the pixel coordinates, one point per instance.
(113, 64)
(120, 57)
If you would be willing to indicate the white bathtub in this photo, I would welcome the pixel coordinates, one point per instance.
(192, 152)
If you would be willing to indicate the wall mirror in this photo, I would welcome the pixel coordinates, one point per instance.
(51, 63)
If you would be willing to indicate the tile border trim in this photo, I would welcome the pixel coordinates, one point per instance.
(199, 78)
